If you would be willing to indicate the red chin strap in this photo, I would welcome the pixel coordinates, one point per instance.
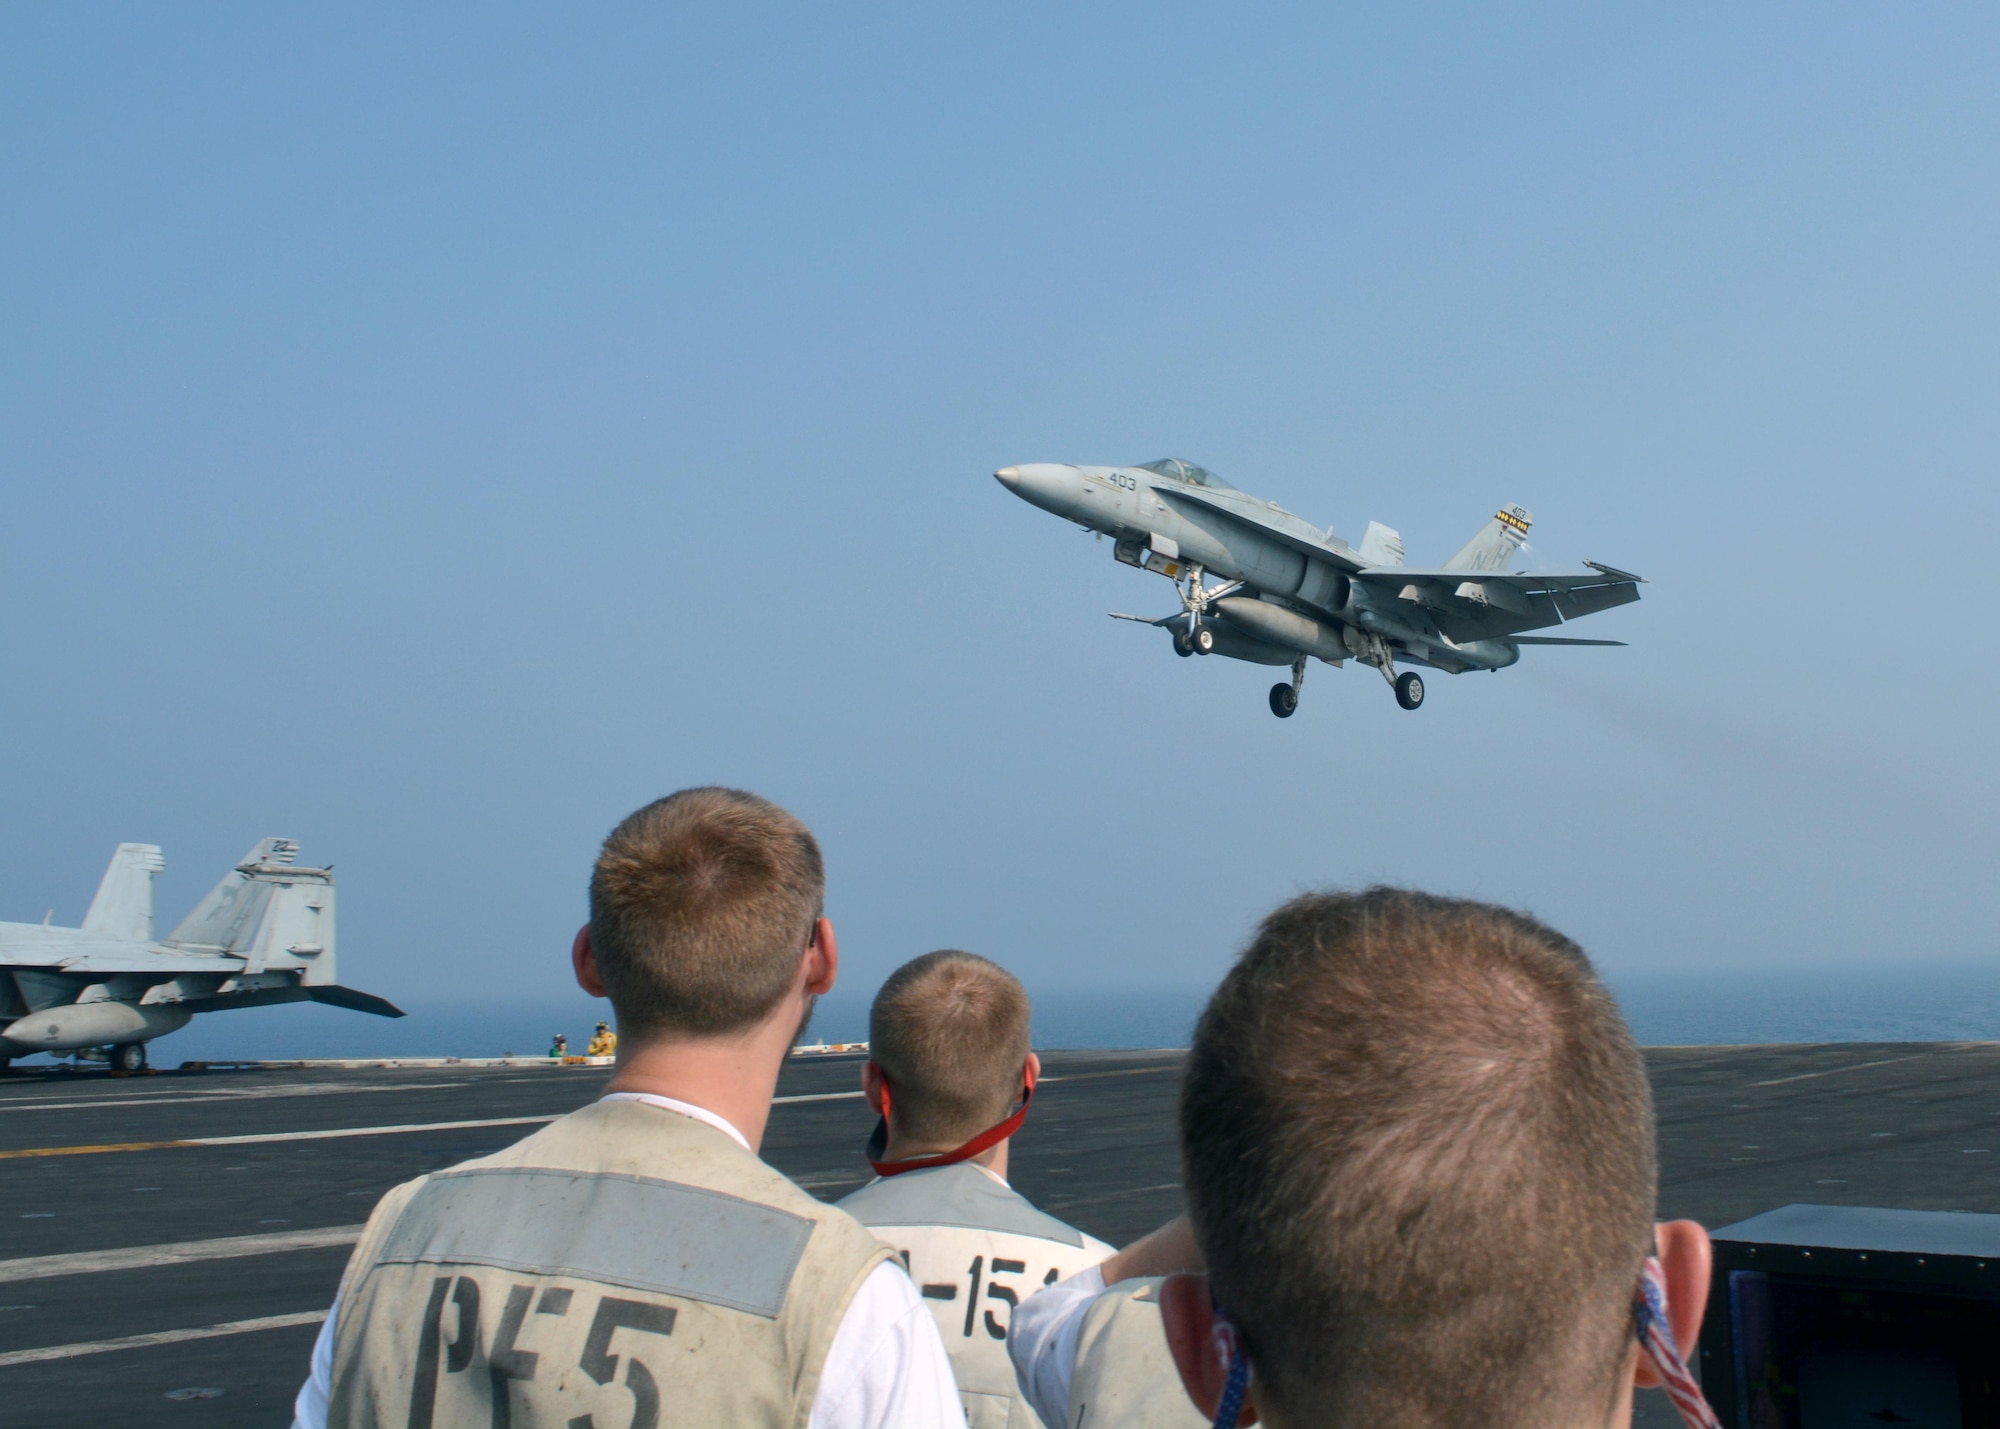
(878, 1142)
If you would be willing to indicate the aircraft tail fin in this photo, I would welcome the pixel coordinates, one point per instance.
(1493, 548)
(1381, 546)
(123, 907)
(269, 912)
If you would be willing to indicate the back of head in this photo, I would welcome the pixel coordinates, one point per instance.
(1418, 1146)
(950, 1031)
(700, 906)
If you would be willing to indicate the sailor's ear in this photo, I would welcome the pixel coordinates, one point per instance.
(871, 1086)
(584, 961)
(1189, 1316)
(1032, 1073)
(1685, 1257)
(822, 959)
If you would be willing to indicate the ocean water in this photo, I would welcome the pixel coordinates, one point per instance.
(1955, 1002)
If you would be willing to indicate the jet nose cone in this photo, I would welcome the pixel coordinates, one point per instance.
(1048, 485)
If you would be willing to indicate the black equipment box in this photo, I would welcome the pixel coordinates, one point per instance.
(1825, 1317)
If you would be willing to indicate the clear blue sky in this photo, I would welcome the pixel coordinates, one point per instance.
(431, 433)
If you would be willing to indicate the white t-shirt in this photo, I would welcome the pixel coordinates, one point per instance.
(886, 1367)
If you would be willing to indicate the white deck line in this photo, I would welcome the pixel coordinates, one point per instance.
(140, 1257)
(159, 1337)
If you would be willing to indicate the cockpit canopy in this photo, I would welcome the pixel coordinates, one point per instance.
(1186, 471)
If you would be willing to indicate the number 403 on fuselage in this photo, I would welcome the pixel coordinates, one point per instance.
(1286, 590)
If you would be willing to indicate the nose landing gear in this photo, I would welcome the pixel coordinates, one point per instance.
(1409, 689)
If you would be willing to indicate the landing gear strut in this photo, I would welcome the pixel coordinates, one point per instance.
(128, 1057)
(1285, 698)
(1374, 650)
(1195, 600)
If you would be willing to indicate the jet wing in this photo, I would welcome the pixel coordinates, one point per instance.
(1486, 605)
(138, 960)
(1266, 521)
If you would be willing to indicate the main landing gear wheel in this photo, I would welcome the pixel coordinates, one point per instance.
(1409, 689)
(1284, 699)
(1204, 640)
(128, 1057)
(1182, 645)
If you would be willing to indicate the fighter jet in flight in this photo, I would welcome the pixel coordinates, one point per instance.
(1289, 590)
(263, 935)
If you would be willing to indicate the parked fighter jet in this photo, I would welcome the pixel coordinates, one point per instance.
(263, 935)
(1290, 590)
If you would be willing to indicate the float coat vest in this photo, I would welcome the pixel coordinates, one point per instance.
(1124, 1372)
(624, 1267)
(976, 1249)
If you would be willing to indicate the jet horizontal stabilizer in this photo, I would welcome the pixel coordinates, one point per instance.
(1615, 573)
(354, 1001)
(1558, 640)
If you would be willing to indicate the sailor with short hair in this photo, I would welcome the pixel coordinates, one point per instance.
(1419, 1155)
(635, 1263)
(950, 1075)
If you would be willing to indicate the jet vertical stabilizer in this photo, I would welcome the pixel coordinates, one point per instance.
(1493, 548)
(1381, 545)
(123, 907)
(234, 905)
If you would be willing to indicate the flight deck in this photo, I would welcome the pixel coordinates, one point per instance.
(169, 1242)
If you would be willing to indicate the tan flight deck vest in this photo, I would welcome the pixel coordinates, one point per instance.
(976, 1249)
(1125, 1373)
(626, 1267)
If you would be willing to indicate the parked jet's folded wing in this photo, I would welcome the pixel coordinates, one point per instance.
(133, 958)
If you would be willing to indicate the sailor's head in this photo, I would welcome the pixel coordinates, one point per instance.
(703, 907)
(1419, 1155)
(949, 1035)
(604, 1027)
